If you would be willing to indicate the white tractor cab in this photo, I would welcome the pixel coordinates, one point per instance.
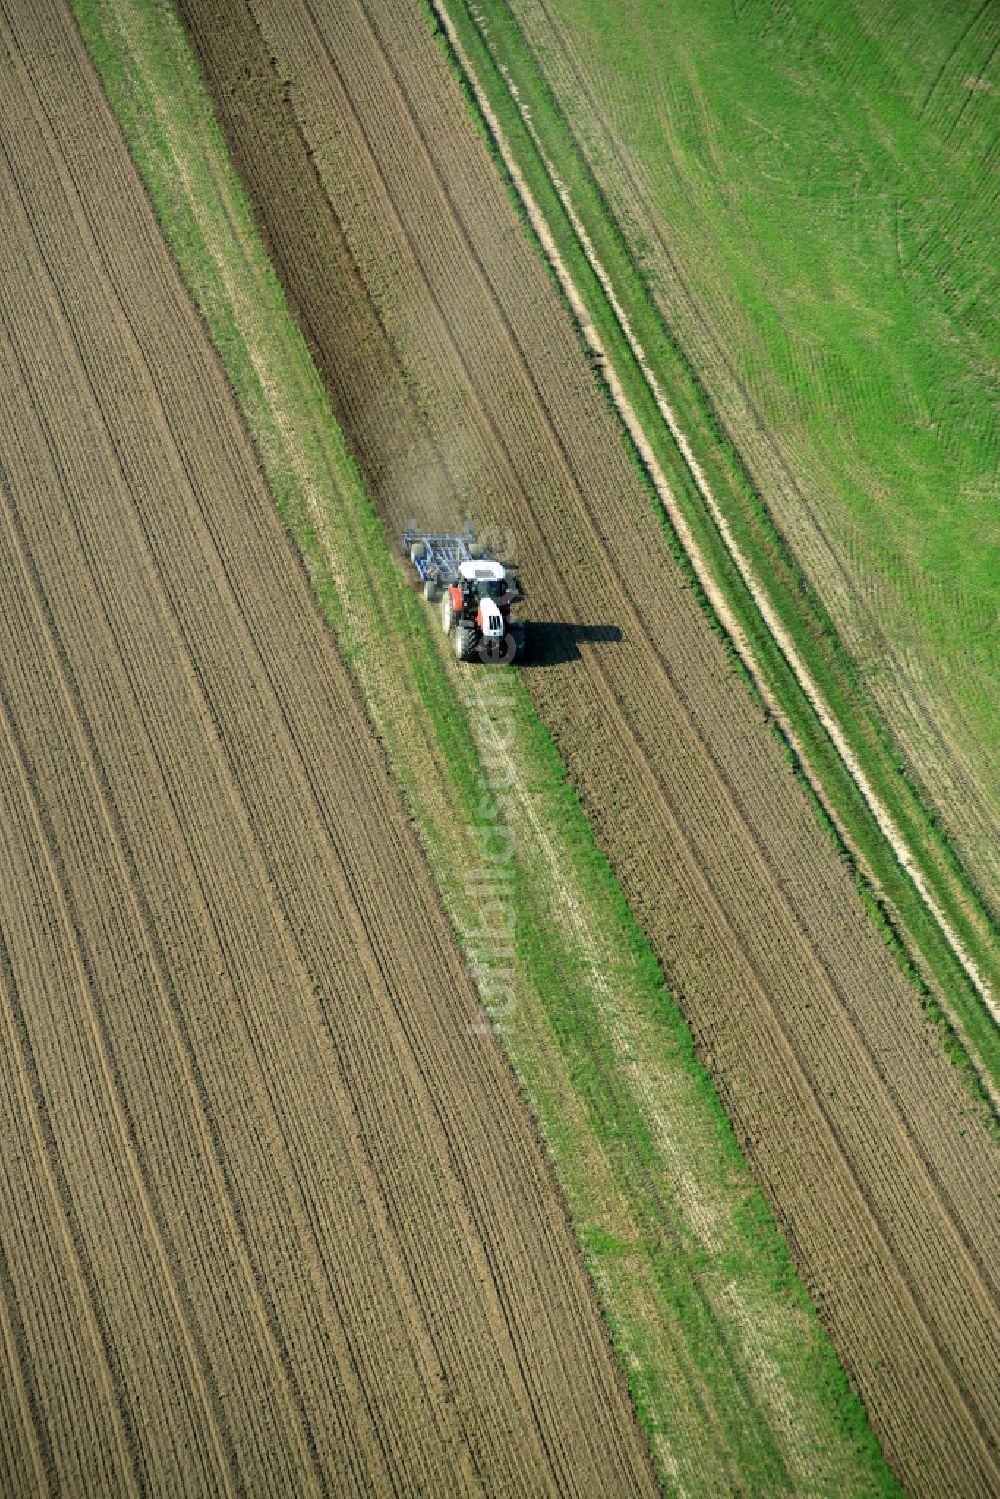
(485, 583)
(475, 592)
(476, 606)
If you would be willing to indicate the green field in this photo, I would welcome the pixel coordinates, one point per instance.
(822, 178)
(551, 110)
(694, 1279)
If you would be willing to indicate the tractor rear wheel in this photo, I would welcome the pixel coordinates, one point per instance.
(447, 613)
(465, 642)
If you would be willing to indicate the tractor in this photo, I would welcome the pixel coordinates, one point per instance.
(475, 592)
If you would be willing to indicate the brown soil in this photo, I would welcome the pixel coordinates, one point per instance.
(273, 1218)
(462, 388)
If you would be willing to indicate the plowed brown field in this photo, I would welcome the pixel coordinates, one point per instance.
(458, 377)
(272, 1219)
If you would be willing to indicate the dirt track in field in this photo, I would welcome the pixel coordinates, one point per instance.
(461, 386)
(271, 1219)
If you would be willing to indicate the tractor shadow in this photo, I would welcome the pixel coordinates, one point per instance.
(554, 642)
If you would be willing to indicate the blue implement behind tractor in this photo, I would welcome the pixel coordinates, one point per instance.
(475, 592)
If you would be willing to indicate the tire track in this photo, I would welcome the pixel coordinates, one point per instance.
(32, 1455)
(19, 1056)
(151, 1454)
(99, 796)
(970, 94)
(949, 56)
(66, 922)
(728, 790)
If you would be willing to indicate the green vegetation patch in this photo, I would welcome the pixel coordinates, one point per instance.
(825, 176)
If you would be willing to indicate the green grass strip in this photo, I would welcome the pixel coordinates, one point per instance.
(732, 1376)
(497, 53)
